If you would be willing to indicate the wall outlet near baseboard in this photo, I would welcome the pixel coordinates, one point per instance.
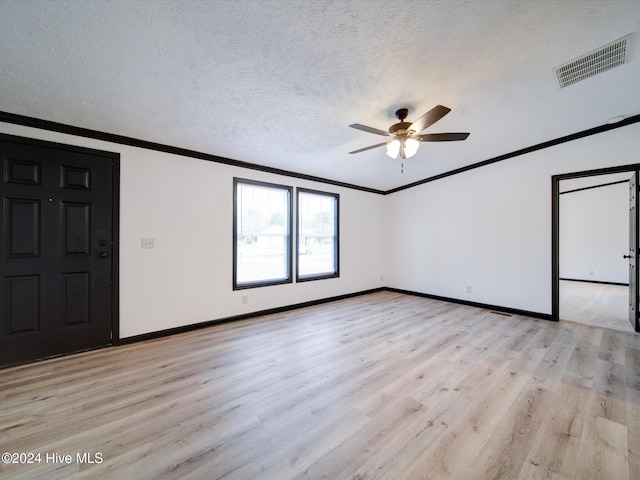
(469, 289)
(245, 299)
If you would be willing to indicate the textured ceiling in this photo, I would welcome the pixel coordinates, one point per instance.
(277, 83)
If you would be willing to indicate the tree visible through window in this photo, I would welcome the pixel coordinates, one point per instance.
(317, 235)
(262, 238)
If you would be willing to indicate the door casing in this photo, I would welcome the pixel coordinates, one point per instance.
(555, 226)
(633, 252)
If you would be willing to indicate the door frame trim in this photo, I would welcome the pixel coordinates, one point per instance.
(114, 158)
(555, 224)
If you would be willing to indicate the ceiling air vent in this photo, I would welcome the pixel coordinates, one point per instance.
(604, 58)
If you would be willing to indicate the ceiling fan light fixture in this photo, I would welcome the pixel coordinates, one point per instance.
(393, 149)
(410, 147)
(405, 137)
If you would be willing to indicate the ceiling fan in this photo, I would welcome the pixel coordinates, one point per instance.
(404, 136)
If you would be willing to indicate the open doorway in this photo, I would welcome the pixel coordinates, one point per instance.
(591, 232)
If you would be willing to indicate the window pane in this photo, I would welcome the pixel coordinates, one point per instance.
(317, 234)
(262, 234)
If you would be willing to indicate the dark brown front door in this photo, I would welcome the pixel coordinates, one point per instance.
(56, 238)
(633, 252)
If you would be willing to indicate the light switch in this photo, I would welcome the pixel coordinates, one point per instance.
(148, 243)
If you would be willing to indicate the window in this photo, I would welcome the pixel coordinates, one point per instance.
(262, 234)
(317, 232)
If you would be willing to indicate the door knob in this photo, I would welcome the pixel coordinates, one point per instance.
(103, 254)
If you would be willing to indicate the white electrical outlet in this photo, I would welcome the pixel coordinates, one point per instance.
(245, 299)
(148, 242)
(469, 289)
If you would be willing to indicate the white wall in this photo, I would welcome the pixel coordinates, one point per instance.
(490, 228)
(185, 204)
(594, 234)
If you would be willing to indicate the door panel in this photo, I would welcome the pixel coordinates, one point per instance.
(633, 252)
(22, 304)
(76, 222)
(56, 264)
(21, 171)
(76, 298)
(22, 227)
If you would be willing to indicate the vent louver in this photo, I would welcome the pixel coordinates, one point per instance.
(604, 58)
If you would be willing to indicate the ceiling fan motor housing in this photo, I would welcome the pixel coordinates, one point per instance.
(398, 127)
(401, 126)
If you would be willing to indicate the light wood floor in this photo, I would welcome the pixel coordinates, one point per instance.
(382, 386)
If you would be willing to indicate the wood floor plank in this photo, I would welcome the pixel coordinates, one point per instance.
(488, 395)
(632, 391)
(505, 453)
(380, 386)
(604, 450)
(555, 451)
